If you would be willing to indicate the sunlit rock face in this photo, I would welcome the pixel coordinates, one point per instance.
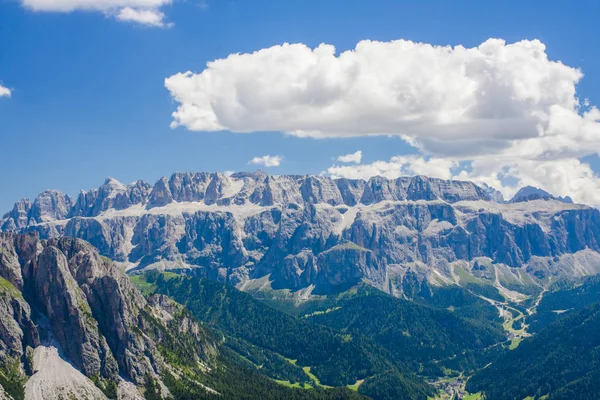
(314, 231)
(79, 317)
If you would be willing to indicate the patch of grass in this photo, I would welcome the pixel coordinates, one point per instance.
(356, 385)
(289, 384)
(350, 245)
(10, 289)
(148, 286)
(170, 275)
(466, 277)
(313, 378)
(322, 312)
(515, 343)
(474, 396)
(311, 375)
(297, 385)
(142, 284)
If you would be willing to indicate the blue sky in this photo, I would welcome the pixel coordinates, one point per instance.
(88, 96)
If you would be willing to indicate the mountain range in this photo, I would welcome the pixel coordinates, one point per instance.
(258, 286)
(321, 234)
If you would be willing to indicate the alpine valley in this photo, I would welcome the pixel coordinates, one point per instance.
(256, 286)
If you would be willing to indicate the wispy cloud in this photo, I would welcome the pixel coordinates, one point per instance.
(143, 12)
(143, 17)
(5, 92)
(351, 158)
(267, 161)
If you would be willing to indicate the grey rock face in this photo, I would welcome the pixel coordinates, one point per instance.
(50, 205)
(59, 297)
(348, 264)
(306, 230)
(18, 217)
(111, 195)
(495, 195)
(97, 316)
(17, 330)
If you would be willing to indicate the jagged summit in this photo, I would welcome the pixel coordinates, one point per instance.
(529, 193)
(495, 194)
(242, 188)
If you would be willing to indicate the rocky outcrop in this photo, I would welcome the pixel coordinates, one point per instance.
(95, 317)
(17, 330)
(111, 195)
(347, 264)
(50, 205)
(55, 291)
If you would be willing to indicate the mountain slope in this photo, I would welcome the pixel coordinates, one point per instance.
(557, 304)
(71, 305)
(336, 359)
(426, 338)
(561, 361)
(73, 326)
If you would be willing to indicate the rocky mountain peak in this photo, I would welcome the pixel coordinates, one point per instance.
(50, 205)
(239, 188)
(494, 194)
(528, 193)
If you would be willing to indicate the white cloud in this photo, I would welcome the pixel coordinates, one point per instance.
(267, 161)
(5, 92)
(506, 110)
(351, 158)
(491, 92)
(145, 12)
(397, 166)
(144, 17)
(562, 177)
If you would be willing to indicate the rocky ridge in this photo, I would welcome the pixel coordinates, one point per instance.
(64, 307)
(322, 233)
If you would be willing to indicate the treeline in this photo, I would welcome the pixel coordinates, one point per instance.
(336, 359)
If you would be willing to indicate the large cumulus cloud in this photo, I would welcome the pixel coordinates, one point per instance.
(507, 107)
